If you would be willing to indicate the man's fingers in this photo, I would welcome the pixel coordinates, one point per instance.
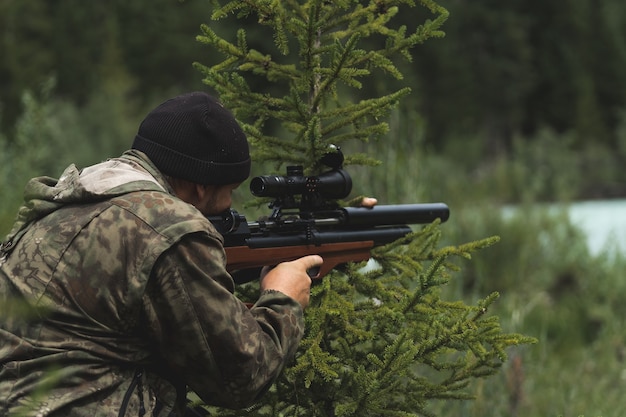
(369, 202)
(311, 260)
(313, 272)
(312, 265)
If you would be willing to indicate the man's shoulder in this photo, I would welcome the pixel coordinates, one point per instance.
(156, 203)
(163, 211)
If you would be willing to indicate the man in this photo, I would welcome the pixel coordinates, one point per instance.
(116, 285)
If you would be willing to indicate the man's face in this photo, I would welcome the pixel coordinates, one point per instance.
(216, 199)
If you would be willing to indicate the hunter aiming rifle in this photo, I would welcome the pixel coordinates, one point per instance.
(306, 219)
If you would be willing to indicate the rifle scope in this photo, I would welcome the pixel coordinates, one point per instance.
(333, 184)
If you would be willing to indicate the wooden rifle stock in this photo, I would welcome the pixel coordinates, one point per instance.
(334, 254)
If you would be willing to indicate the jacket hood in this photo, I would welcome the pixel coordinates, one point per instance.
(133, 171)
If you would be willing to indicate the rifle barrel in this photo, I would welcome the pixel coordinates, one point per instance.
(396, 214)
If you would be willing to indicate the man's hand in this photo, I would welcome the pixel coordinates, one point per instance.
(291, 278)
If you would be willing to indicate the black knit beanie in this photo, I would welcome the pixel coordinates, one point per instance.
(194, 138)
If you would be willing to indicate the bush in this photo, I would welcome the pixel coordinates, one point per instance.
(52, 133)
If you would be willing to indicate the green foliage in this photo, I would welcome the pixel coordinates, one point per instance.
(380, 340)
(553, 288)
(503, 69)
(308, 102)
(518, 67)
(550, 285)
(534, 59)
(52, 133)
(70, 41)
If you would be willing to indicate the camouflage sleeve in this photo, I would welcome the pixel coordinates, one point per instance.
(228, 354)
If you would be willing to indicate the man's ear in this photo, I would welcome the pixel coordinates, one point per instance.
(202, 190)
(185, 190)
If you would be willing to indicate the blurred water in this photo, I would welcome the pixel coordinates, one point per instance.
(603, 221)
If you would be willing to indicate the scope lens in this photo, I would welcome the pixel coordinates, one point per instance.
(273, 186)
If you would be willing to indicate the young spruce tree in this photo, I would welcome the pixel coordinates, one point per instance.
(379, 341)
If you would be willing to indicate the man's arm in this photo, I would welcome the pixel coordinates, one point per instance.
(228, 354)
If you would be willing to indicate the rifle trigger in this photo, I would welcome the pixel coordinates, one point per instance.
(313, 272)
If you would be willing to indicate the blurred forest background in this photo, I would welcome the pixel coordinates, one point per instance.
(519, 109)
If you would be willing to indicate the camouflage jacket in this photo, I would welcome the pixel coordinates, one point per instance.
(115, 300)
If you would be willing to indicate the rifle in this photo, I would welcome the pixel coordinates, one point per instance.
(306, 219)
